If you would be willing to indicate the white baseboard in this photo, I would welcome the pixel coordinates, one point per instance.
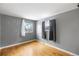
(17, 44)
(44, 41)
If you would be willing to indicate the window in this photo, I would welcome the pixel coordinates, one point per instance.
(27, 27)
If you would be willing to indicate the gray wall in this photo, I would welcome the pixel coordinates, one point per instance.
(11, 27)
(0, 30)
(67, 29)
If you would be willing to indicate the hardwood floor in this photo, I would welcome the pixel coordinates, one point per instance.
(34, 48)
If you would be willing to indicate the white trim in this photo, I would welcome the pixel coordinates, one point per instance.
(17, 44)
(58, 48)
(41, 41)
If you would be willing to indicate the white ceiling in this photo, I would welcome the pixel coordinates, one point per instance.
(35, 11)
